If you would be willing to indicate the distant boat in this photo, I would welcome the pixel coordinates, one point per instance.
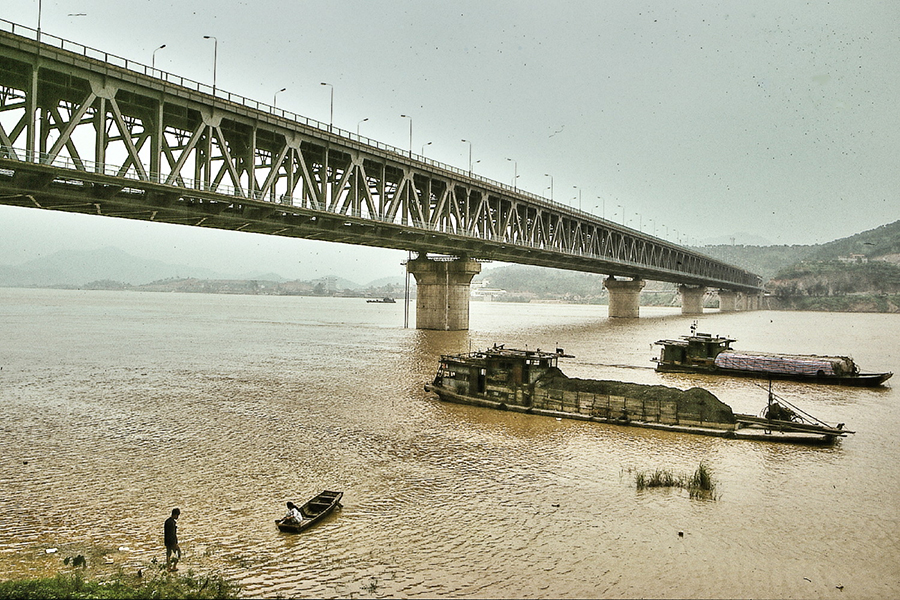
(705, 353)
(384, 300)
(316, 509)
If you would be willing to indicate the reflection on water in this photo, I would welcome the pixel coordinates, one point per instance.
(115, 407)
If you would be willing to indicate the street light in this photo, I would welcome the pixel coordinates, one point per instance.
(215, 57)
(360, 123)
(153, 60)
(515, 173)
(331, 111)
(275, 96)
(423, 147)
(470, 156)
(579, 196)
(623, 213)
(410, 132)
(551, 185)
(603, 204)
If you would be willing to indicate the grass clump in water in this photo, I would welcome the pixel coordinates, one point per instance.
(126, 587)
(698, 485)
(659, 478)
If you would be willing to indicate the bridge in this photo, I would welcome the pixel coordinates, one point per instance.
(85, 131)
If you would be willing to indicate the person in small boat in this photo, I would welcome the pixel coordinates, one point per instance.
(293, 514)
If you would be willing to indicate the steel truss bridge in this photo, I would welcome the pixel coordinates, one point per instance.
(88, 132)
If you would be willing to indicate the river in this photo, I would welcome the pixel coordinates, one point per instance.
(117, 406)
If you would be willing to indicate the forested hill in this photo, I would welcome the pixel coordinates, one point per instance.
(881, 244)
(876, 244)
(765, 261)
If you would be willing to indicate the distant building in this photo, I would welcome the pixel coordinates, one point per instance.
(482, 291)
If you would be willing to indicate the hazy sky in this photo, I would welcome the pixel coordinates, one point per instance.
(691, 120)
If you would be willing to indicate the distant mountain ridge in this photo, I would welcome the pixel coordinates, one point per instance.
(76, 267)
(81, 268)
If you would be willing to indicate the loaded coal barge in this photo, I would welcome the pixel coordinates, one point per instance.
(530, 381)
(712, 354)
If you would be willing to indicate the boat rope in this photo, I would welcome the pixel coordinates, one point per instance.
(805, 416)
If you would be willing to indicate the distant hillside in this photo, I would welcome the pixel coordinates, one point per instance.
(877, 243)
(860, 273)
(525, 283)
(765, 261)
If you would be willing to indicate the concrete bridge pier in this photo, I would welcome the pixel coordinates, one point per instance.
(728, 300)
(442, 292)
(692, 299)
(753, 301)
(624, 297)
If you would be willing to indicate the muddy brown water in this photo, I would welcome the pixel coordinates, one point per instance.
(116, 407)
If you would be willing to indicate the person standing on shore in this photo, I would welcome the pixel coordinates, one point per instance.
(173, 550)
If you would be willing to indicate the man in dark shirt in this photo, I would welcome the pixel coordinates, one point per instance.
(173, 550)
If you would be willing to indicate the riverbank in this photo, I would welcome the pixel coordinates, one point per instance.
(852, 303)
(152, 583)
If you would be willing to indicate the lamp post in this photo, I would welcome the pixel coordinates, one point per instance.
(623, 213)
(410, 132)
(153, 60)
(331, 109)
(470, 156)
(215, 57)
(603, 205)
(515, 173)
(579, 196)
(360, 123)
(551, 185)
(423, 147)
(39, 22)
(275, 96)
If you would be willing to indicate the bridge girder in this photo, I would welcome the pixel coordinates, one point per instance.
(82, 135)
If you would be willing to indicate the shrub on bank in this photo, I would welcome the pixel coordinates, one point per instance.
(127, 587)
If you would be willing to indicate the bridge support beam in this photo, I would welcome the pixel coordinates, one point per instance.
(442, 292)
(692, 299)
(624, 297)
(728, 300)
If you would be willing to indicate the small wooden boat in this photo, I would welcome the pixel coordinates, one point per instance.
(313, 511)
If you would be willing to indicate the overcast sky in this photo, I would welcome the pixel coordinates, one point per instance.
(770, 121)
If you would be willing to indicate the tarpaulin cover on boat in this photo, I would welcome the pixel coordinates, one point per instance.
(806, 365)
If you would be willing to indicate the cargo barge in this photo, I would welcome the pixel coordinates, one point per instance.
(530, 381)
(713, 354)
